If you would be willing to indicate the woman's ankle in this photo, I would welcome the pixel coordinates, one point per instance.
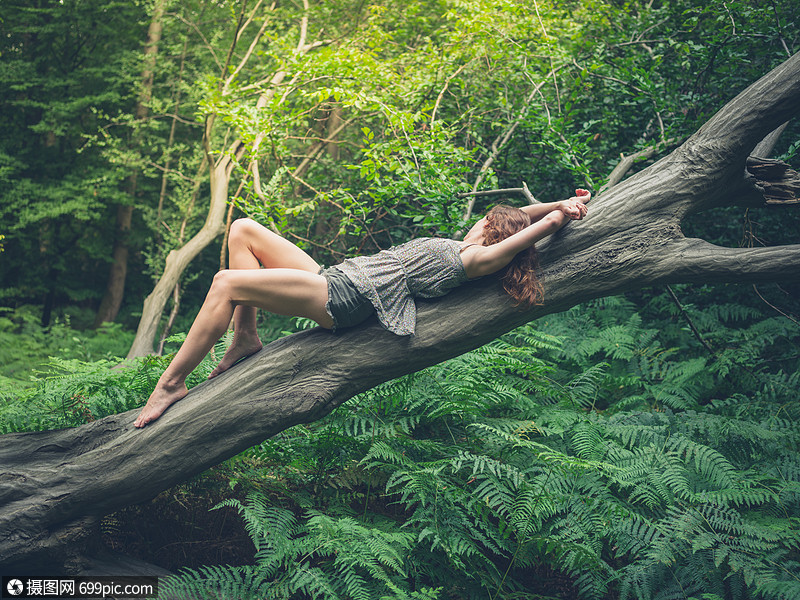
(171, 382)
(245, 338)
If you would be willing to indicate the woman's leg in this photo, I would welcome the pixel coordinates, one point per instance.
(279, 290)
(250, 245)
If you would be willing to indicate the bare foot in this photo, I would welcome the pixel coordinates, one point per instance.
(161, 399)
(238, 350)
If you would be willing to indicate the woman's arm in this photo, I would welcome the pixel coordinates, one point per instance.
(483, 260)
(540, 210)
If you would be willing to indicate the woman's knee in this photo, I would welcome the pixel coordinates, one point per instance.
(242, 229)
(221, 285)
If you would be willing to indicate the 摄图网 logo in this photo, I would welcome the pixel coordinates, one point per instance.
(15, 587)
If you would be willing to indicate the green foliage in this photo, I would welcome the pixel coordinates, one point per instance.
(62, 67)
(367, 138)
(25, 345)
(597, 446)
(73, 392)
(73, 385)
(413, 180)
(606, 447)
(614, 449)
(320, 557)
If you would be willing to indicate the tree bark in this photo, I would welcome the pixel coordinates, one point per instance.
(118, 271)
(52, 482)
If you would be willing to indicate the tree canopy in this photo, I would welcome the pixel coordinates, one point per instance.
(347, 134)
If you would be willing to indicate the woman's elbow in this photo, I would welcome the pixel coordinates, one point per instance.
(554, 220)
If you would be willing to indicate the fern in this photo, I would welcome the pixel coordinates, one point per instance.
(318, 556)
(72, 392)
(606, 449)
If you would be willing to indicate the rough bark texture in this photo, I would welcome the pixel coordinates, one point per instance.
(53, 483)
(774, 180)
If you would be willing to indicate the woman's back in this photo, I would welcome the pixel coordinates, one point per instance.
(391, 279)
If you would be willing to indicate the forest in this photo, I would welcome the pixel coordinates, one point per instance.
(636, 437)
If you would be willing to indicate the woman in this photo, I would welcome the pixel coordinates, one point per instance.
(292, 283)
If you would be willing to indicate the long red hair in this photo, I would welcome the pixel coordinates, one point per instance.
(519, 276)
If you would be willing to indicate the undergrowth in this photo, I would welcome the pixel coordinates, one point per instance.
(25, 345)
(612, 451)
(625, 460)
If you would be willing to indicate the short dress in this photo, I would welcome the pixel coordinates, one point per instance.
(391, 279)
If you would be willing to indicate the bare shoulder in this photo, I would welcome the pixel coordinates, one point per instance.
(481, 260)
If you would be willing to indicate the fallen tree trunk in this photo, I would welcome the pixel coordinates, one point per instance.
(53, 483)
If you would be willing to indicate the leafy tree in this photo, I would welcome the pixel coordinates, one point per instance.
(62, 65)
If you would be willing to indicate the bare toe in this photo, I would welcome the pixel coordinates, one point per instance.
(160, 400)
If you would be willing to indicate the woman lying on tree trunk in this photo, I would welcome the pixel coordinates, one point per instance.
(292, 283)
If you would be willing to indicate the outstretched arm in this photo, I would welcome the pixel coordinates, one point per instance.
(542, 209)
(574, 208)
(483, 260)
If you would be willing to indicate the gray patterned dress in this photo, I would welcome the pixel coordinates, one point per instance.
(391, 279)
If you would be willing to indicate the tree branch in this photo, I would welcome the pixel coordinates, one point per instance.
(626, 162)
(774, 180)
(445, 86)
(726, 140)
(689, 321)
(501, 140)
(524, 190)
(698, 261)
(765, 146)
(248, 54)
(318, 147)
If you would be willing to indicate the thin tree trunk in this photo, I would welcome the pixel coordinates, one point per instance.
(176, 292)
(173, 313)
(115, 288)
(333, 126)
(178, 260)
(170, 141)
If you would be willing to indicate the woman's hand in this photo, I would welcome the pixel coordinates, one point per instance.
(575, 207)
